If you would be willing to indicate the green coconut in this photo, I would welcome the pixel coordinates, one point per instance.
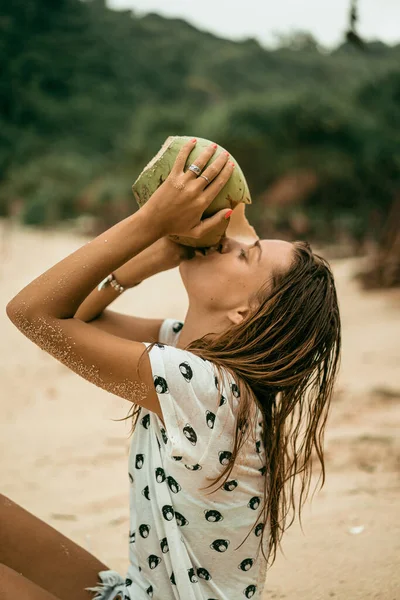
(236, 190)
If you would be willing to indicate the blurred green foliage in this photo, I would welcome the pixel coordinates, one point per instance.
(89, 94)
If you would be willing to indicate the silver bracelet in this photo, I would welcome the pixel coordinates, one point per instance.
(110, 280)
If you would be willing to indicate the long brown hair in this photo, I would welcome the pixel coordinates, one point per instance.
(284, 357)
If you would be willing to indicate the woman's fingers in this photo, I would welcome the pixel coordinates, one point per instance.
(202, 160)
(182, 157)
(212, 171)
(212, 190)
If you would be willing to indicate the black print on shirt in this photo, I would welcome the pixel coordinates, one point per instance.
(168, 512)
(173, 485)
(210, 419)
(172, 578)
(132, 537)
(213, 516)
(258, 446)
(230, 485)
(194, 467)
(162, 346)
(139, 460)
(235, 390)
(220, 545)
(177, 326)
(250, 591)
(190, 434)
(192, 575)
(258, 529)
(246, 564)
(224, 457)
(130, 478)
(177, 457)
(160, 475)
(144, 530)
(161, 385)
(146, 421)
(222, 401)
(216, 381)
(203, 574)
(164, 545)
(146, 492)
(128, 582)
(164, 435)
(254, 502)
(153, 561)
(149, 591)
(186, 371)
(180, 519)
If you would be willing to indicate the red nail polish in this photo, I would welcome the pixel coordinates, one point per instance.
(227, 153)
(215, 145)
(228, 214)
(194, 140)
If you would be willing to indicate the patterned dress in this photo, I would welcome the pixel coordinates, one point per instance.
(185, 543)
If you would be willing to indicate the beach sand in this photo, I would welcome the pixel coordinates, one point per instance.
(64, 459)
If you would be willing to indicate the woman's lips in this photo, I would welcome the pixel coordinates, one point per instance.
(193, 252)
(205, 251)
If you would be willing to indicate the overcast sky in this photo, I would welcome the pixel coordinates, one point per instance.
(262, 19)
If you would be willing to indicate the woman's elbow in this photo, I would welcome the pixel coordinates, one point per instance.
(20, 313)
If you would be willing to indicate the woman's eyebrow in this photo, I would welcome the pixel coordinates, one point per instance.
(258, 245)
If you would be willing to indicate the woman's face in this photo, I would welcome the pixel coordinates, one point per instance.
(226, 278)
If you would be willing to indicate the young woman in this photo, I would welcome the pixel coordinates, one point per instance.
(218, 401)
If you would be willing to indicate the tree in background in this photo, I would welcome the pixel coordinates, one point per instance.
(89, 94)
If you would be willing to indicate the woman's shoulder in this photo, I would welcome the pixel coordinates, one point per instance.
(169, 336)
(169, 331)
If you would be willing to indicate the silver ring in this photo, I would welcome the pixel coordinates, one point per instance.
(195, 169)
(206, 178)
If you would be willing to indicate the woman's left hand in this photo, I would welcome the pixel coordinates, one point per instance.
(177, 206)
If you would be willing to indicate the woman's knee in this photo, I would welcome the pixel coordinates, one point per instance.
(5, 501)
(15, 585)
(4, 572)
(8, 581)
(6, 506)
(5, 517)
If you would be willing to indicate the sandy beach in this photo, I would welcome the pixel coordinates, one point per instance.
(64, 459)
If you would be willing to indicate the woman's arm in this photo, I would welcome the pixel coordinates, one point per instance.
(44, 310)
(163, 255)
(60, 291)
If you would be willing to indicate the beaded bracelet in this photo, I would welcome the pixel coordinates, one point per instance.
(111, 280)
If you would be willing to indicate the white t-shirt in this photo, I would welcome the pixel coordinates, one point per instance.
(183, 543)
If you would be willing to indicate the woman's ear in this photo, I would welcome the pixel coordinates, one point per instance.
(237, 315)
